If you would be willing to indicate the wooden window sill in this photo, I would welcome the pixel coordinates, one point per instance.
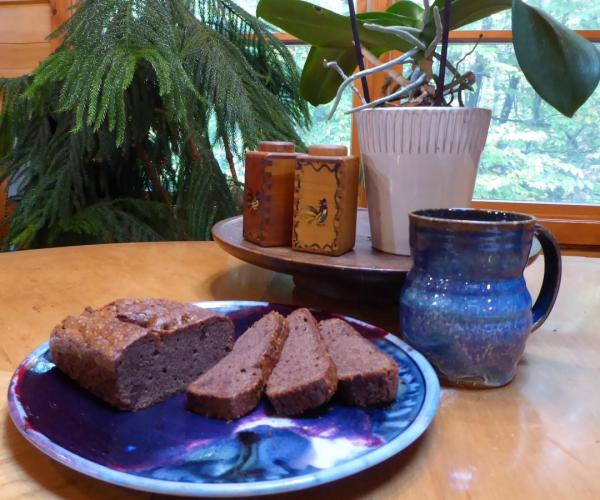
(571, 224)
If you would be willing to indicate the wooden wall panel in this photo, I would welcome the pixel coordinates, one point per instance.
(18, 59)
(24, 23)
(24, 27)
(60, 12)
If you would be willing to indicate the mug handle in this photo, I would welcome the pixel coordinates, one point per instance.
(552, 276)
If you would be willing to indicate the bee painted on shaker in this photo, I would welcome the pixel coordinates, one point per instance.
(253, 200)
(317, 215)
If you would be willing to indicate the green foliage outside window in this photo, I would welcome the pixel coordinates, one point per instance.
(533, 152)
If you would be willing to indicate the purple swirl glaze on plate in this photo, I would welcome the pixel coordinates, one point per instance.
(166, 449)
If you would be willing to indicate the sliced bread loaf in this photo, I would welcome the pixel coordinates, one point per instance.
(305, 377)
(366, 376)
(135, 352)
(233, 386)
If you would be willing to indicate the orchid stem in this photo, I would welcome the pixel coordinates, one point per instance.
(439, 96)
(357, 47)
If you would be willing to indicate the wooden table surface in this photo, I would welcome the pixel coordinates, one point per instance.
(539, 437)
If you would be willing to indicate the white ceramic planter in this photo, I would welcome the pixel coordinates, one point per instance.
(417, 158)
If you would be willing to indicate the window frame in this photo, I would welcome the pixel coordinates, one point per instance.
(573, 225)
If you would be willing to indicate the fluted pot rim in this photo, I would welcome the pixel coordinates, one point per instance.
(425, 109)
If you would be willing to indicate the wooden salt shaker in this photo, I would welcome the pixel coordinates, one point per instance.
(269, 194)
(325, 199)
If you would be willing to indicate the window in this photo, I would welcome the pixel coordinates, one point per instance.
(536, 160)
(533, 153)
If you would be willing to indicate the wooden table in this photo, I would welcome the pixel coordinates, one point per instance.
(537, 438)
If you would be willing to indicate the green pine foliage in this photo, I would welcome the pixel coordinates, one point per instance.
(111, 138)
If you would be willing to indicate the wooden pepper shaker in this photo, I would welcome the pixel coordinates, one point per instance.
(325, 199)
(269, 194)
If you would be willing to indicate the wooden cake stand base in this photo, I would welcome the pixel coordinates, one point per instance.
(363, 274)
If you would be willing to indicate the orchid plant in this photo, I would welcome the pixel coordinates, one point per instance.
(562, 66)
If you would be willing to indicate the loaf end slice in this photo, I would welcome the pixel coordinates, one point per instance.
(233, 387)
(135, 352)
(305, 376)
(366, 376)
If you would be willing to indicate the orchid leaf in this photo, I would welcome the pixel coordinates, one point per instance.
(318, 84)
(562, 66)
(465, 12)
(330, 35)
(324, 28)
(407, 9)
(469, 11)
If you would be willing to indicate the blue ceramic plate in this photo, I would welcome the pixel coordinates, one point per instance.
(166, 449)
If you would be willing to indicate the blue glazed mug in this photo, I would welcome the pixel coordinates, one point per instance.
(465, 304)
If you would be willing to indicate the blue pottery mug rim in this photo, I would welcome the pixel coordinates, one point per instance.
(471, 219)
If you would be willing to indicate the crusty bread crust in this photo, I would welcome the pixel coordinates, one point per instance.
(133, 353)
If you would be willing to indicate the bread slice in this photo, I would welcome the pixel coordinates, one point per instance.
(135, 352)
(366, 376)
(305, 377)
(232, 388)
